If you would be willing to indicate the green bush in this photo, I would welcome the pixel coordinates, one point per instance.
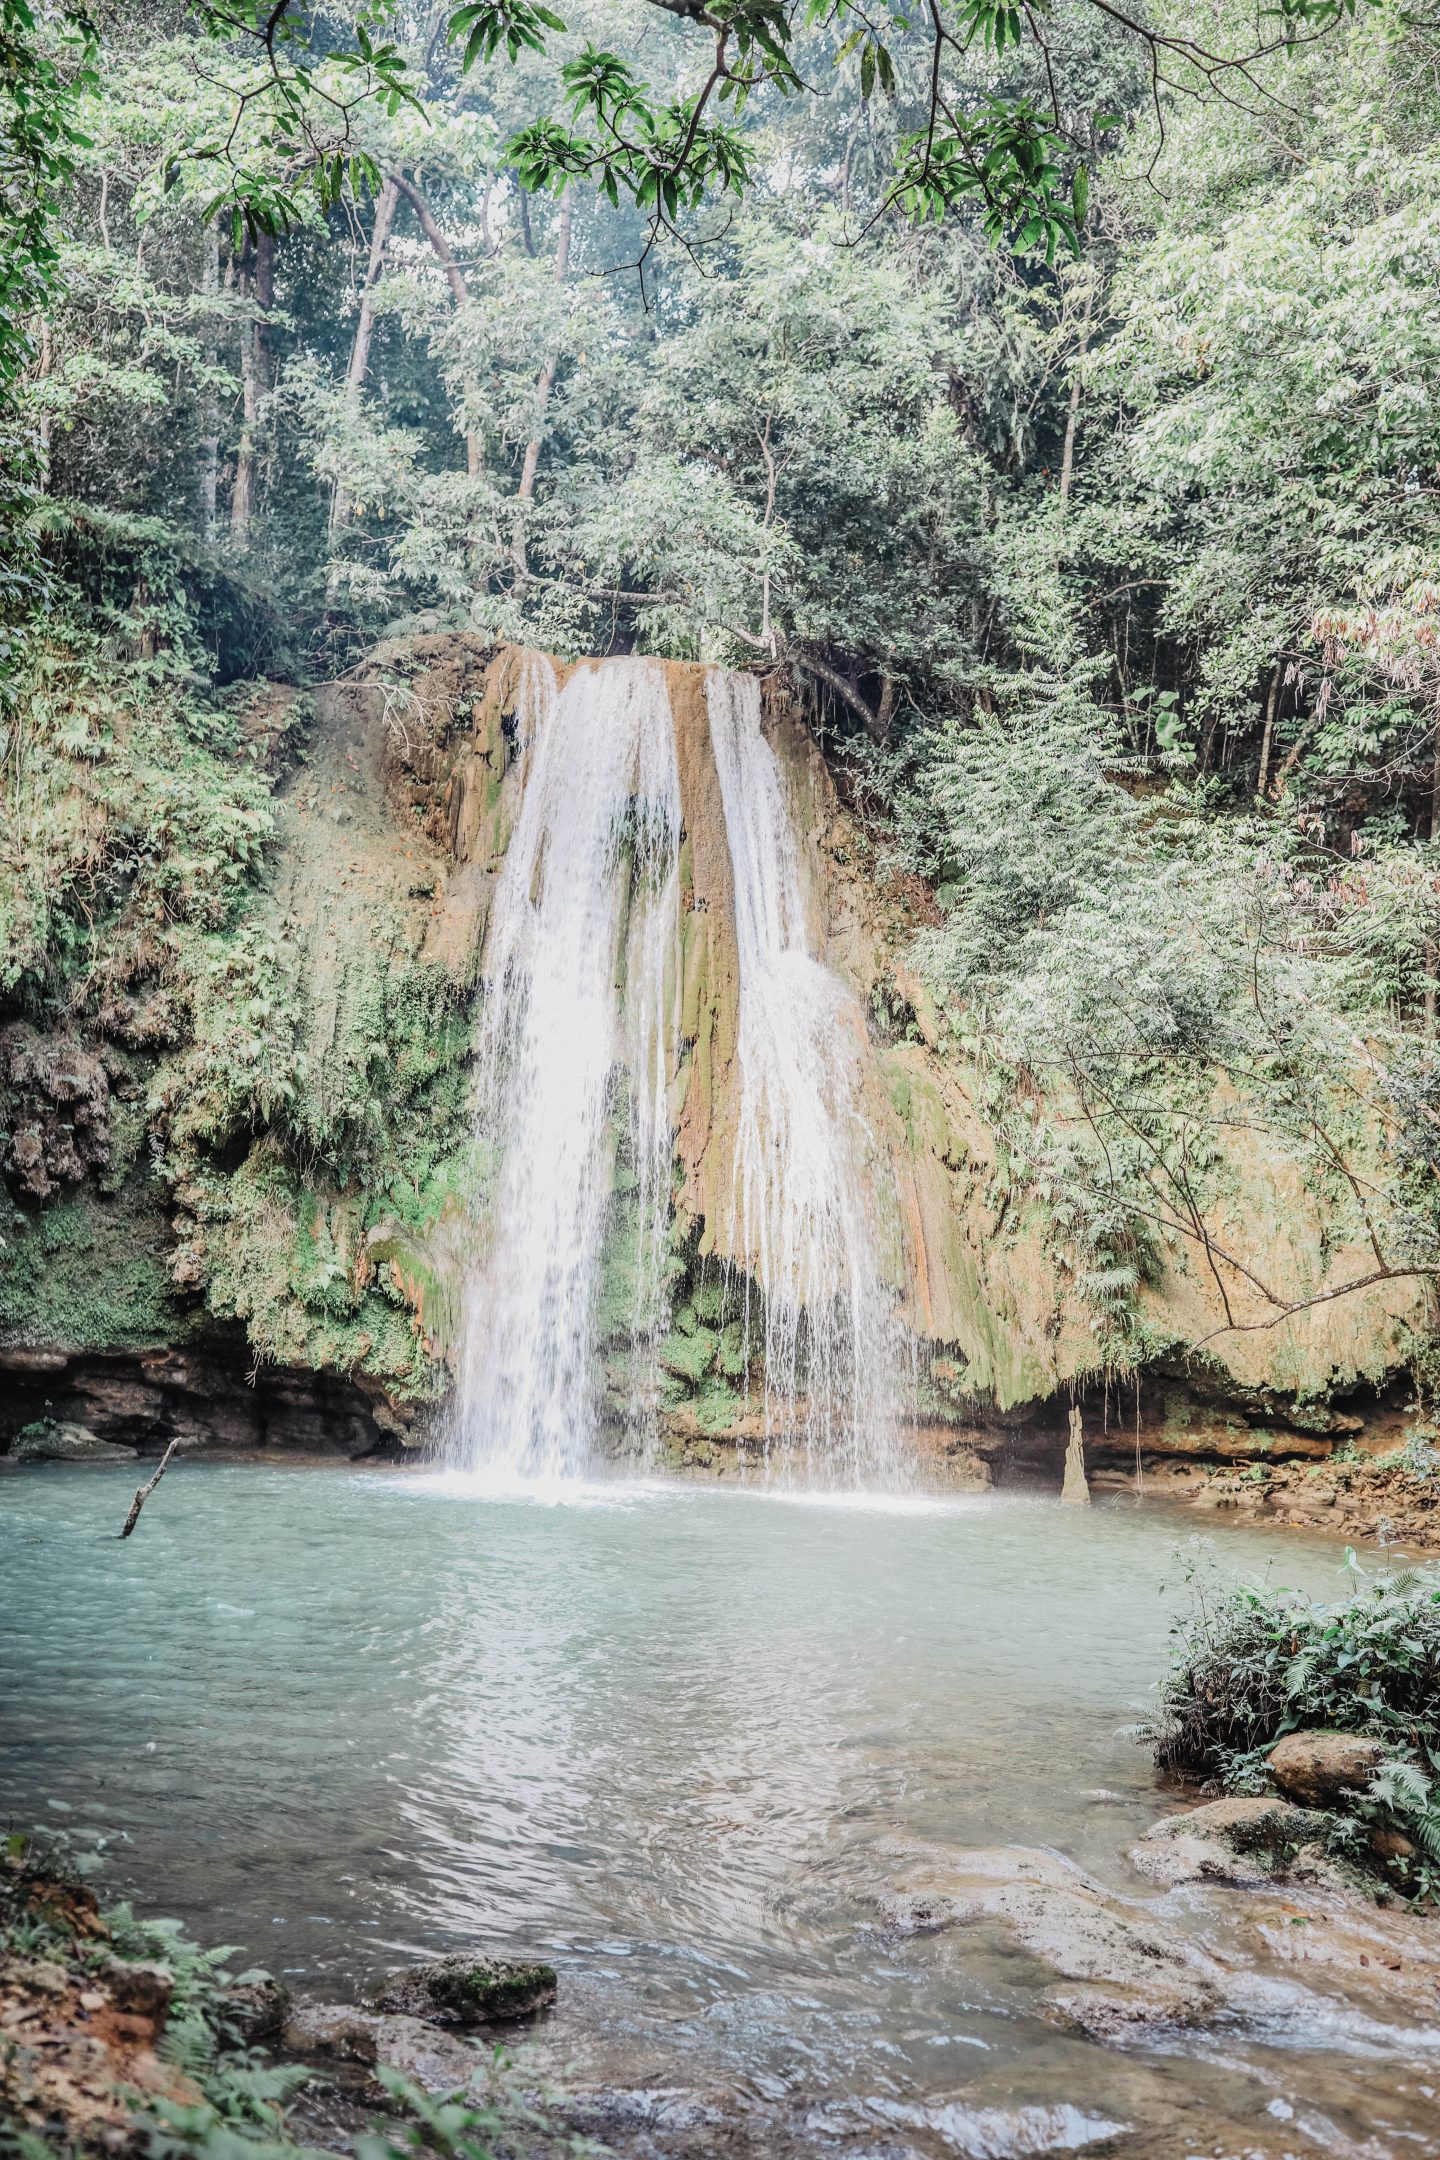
(1253, 1664)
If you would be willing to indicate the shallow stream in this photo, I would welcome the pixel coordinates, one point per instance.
(677, 1740)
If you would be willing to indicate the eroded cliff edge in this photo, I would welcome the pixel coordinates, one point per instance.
(237, 1148)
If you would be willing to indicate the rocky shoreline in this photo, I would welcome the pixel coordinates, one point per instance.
(119, 2037)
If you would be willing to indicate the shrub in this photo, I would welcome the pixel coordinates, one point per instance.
(1253, 1664)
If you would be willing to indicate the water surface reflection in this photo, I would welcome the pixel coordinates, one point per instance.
(679, 1739)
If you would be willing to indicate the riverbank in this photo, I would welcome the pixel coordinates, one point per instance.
(121, 2036)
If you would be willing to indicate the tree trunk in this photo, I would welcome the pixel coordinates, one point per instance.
(460, 293)
(365, 320)
(543, 388)
(265, 272)
(44, 371)
(242, 493)
(364, 330)
(1267, 739)
(1067, 455)
(209, 462)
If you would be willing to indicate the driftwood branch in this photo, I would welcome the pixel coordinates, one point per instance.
(144, 1491)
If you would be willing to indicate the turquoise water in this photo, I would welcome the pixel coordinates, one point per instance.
(678, 1740)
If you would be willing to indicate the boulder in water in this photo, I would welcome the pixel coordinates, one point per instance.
(465, 1991)
(1321, 1769)
(1124, 1968)
(1245, 1842)
(337, 2029)
(436, 2060)
(50, 1440)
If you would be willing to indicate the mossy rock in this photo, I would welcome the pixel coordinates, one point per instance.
(51, 1440)
(734, 1355)
(716, 1407)
(466, 1991)
(708, 1300)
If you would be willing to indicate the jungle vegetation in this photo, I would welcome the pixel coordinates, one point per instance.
(1050, 394)
(1253, 1663)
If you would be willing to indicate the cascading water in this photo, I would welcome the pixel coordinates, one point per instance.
(579, 1043)
(804, 1195)
(579, 979)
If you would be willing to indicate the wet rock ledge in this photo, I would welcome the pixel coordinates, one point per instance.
(214, 1395)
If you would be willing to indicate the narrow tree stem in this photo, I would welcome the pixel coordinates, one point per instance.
(543, 388)
(144, 1491)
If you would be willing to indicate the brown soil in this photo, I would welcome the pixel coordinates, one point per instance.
(75, 2053)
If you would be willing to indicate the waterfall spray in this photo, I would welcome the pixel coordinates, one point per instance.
(579, 982)
(807, 1167)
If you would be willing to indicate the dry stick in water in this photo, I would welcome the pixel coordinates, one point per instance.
(144, 1491)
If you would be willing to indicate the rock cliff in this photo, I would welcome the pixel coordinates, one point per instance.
(257, 1156)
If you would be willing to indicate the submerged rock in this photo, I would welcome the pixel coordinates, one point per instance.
(439, 2061)
(1243, 1841)
(1128, 1970)
(1320, 1769)
(1369, 1951)
(49, 1441)
(337, 2029)
(465, 1991)
(436, 2060)
(981, 2133)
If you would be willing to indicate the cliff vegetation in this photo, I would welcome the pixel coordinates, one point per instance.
(1064, 454)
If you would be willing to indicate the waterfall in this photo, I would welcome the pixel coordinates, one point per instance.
(806, 1163)
(578, 1048)
(579, 983)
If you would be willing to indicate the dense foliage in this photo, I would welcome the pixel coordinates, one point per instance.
(1254, 1664)
(1112, 575)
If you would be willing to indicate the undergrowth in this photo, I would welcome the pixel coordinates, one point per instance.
(1252, 1664)
(244, 2109)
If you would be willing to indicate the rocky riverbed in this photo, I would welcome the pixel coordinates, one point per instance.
(101, 2017)
(112, 2034)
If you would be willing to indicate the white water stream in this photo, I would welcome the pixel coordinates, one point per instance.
(580, 1039)
(580, 988)
(804, 1200)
